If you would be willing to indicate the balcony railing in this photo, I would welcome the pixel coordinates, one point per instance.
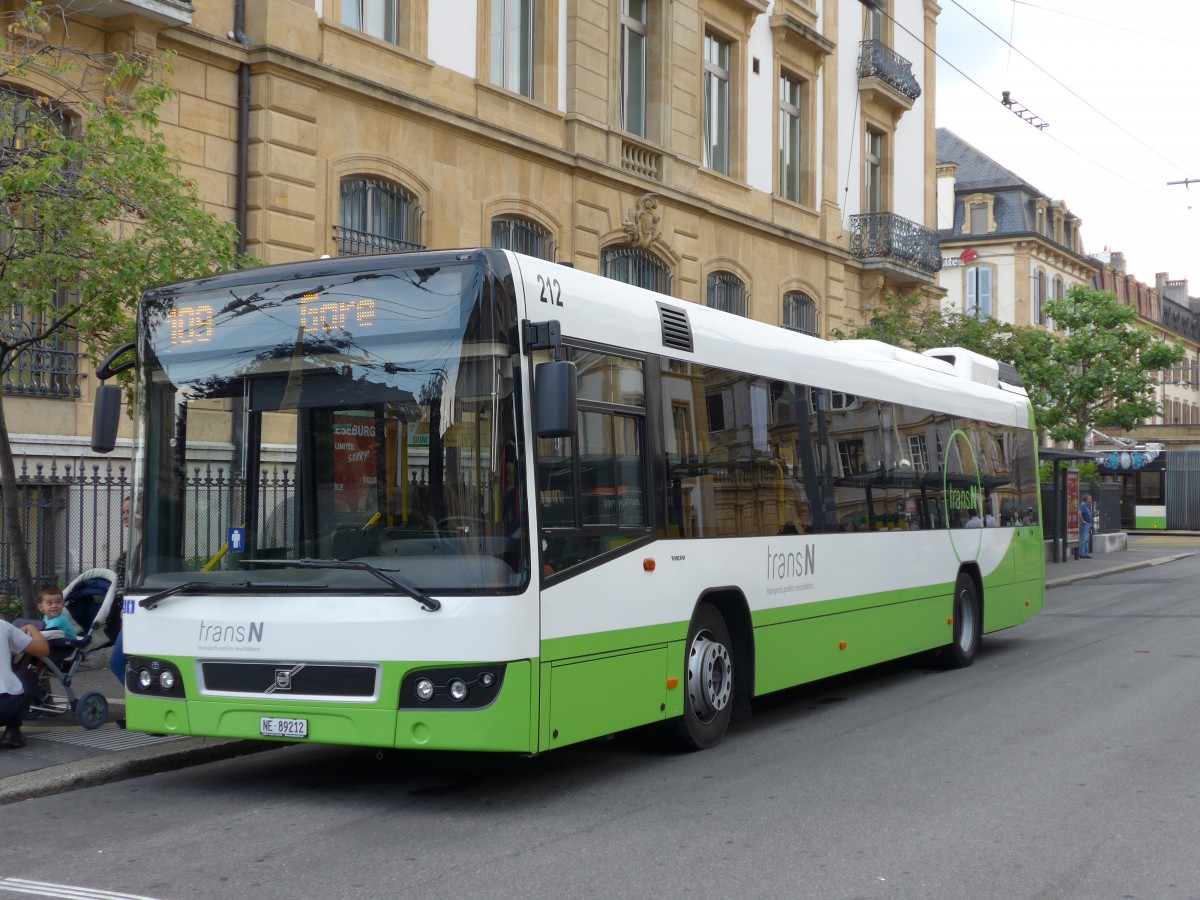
(49, 368)
(877, 60)
(351, 242)
(888, 238)
(641, 160)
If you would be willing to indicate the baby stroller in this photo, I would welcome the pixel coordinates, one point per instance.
(89, 599)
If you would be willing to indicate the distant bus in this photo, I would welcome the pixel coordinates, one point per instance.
(481, 501)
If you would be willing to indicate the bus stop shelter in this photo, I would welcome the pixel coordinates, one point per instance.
(1061, 459)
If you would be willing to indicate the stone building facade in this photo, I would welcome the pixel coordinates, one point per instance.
(1006, 246)
(773, 157)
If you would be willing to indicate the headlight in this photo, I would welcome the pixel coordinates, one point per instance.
(463, 687)
(144, 679)
(166, 680)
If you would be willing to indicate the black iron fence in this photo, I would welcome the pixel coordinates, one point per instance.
(70, 514)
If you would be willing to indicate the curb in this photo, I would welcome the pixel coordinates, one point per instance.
(1084, 576)
(130, 764)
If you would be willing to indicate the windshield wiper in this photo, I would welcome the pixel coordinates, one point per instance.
(427, 603)
(154, 599)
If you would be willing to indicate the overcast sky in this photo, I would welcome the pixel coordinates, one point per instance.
(1117, 82)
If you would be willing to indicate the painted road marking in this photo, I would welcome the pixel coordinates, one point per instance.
(49, 889)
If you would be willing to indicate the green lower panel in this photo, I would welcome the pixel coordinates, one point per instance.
(594, 697)
(156, 716)
(508, 724)
(792, 653)
(1011, 604)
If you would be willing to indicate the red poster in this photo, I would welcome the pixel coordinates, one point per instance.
(354, 468)
(1072, 504)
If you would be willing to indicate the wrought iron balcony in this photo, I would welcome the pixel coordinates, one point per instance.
(352, 242)
(877, 60)
(896, 244)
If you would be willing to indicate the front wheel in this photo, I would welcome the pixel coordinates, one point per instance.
(708, 691)
(91, 711)
(968, 626)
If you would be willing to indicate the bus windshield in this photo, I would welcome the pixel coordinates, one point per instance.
(295, 414)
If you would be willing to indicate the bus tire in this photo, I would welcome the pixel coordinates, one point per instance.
(708, 696)
(968, 626)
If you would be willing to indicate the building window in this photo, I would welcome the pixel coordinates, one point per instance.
(1039, 297)
(800, 313)
(791, 156)
(716, 103)
(727, 292)
(979, 218)
(832, 401)
(637, 267)
(633, 66)
(852, 457)
(46, 367)
(979, 292)
(918, 452)
(512, 45)
(374, 17)
(523, 236)
(377, 217)
(874, 171)
(873, 24)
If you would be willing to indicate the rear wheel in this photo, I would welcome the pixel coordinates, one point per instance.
(968, 626)
(708, 691)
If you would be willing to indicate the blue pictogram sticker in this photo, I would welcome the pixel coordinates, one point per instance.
(237, 540)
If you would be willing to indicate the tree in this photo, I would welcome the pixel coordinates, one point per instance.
(1100, 369)
(93, 210)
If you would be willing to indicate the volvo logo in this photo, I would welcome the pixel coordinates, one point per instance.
(283, 679)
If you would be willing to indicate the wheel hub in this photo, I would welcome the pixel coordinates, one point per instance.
(710, 676)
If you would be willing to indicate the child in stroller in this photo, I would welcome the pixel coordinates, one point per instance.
(89, 600)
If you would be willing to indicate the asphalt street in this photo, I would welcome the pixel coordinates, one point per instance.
(60, 755)
(1058, 766)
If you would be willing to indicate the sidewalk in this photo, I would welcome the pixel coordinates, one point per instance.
(61, 756)
(1143, 550)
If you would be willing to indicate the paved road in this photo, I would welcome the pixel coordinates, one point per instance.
(1060, 765)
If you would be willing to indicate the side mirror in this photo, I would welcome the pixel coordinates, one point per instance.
(106, 416)
(555, 387)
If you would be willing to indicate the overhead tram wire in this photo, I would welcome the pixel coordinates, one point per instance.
(1046, 132)
(1073, 93)
(1121, 28)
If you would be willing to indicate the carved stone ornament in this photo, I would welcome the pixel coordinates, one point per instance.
(642, 224)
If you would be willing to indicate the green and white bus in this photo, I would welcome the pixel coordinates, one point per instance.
(481, 501)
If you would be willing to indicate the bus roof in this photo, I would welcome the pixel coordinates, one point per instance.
(599, 310)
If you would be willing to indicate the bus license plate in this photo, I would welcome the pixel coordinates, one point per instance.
(284, 728)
